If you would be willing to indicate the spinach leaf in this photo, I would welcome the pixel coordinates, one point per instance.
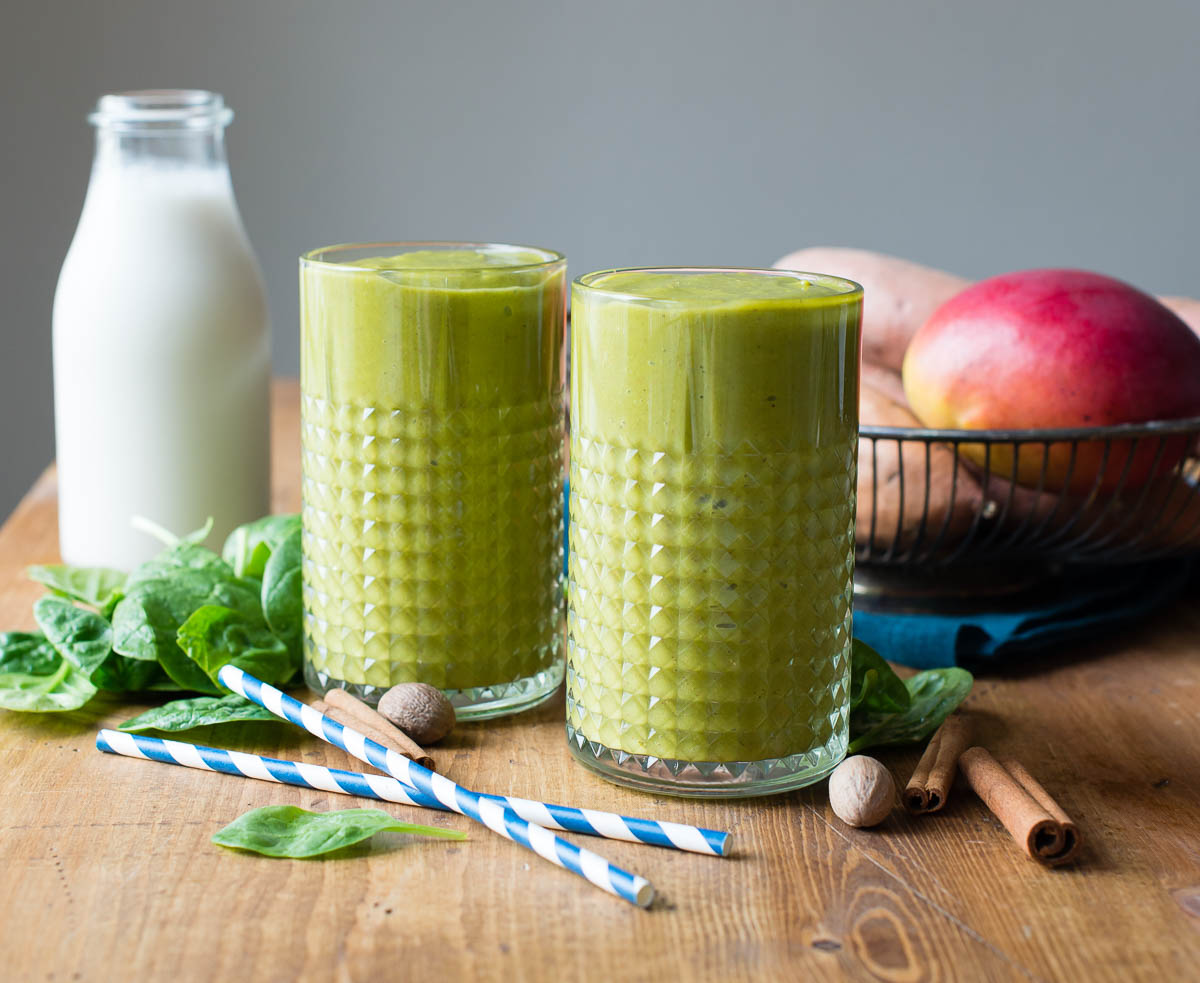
(144, 628)
(185, 556)
(934, 694)
(281, 595)
(27, 652)
(85, 640)
(65, 688)
(168, 538)
(214, 636)
(289, 831)
(873, 684)
(97, 587)
(248, 547)
(201, 711)
(147, 621)
(81, 637)
(121, 674)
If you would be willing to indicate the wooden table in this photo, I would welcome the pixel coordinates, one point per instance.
(107, 871)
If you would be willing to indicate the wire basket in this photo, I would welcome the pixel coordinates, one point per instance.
(939, 511)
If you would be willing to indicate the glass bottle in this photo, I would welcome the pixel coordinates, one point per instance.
(161, 344)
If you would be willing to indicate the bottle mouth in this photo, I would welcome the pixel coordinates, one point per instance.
(161, 111)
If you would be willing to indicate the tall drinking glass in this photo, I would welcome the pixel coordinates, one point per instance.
(432, 445)
(713, 454)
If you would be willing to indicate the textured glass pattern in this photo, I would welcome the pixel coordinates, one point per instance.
(710, 601)
(394, 590)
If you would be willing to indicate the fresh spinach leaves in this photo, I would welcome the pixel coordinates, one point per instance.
(34, 677)
(81, 637)
(97, 587)
(933, 695)
(250, 546)
(289, 831)
(201, 711)
(167, 626)
(281, 595)
(147, 621)
(27, 652)
(214, 636)
(873, 684)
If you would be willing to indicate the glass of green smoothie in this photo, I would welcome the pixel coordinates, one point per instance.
(713, 454)
(432, 459)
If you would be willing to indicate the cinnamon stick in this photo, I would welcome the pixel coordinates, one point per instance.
(1072, 839)
(352, 712)
(1046, 836)
(929, 786)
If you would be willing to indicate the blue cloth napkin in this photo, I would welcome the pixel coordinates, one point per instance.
(1090, 602)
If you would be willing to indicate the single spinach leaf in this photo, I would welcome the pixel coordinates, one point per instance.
(185, 557)
(66, 688)
(935, 694)
(165, 536)
(29, 653)
(289, 831)
(248, 547)
(873, 684)
(97, 587)
(81, 637)
(121, 674)
(282, 601)
(201, 711)
(215, 636)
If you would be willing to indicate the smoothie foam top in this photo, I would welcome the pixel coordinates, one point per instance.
(454, 259)
(715, 287)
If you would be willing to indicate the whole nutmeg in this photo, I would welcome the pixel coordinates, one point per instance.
(420, 710)
(861, 791)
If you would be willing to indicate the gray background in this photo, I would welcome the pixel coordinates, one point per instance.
(976, 137)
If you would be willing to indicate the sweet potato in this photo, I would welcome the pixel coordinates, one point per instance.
(898, 295)
(886, 383)
(947, 500)
(1187, 308)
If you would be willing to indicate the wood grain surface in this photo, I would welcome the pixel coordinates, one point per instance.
(107, 872)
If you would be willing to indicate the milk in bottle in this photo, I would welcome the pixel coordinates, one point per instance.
(161, 350)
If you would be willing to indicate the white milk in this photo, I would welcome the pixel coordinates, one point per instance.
(161, 352)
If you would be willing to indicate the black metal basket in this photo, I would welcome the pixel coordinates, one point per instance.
(939, 512)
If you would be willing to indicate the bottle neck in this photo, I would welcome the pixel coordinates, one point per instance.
(179, 149)
(167, 128)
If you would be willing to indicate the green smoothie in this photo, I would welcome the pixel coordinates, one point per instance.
(432, 416)
(713, 452)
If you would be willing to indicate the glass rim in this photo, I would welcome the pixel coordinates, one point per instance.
(585, 282)
(316, 257)
(152, 111)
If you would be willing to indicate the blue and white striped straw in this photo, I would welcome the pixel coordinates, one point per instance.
(381, 787)
(266, 769)
(487, 812)
(610, 825)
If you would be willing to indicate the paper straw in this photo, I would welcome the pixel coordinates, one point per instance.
(266, 769)
(381, 787)
(485, 811)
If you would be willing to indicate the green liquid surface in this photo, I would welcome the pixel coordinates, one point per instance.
(432, 461)
(713, 447)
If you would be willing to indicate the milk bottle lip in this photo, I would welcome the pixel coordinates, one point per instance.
(161, 110)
